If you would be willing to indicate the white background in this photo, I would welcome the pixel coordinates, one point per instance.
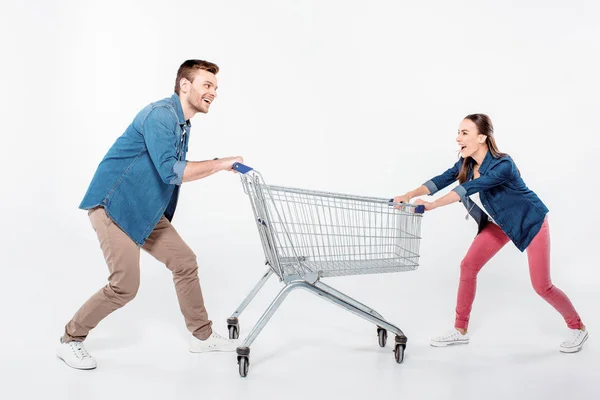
(347, 96)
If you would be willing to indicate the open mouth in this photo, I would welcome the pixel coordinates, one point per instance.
(462, 147)
(207, 101)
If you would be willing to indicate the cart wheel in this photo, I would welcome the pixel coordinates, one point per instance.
(399, 353)
(382, 333)
(244, 364)
(234, 332)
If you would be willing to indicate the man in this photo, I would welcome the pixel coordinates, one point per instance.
(131, 201)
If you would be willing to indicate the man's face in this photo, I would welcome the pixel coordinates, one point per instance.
(201, 92)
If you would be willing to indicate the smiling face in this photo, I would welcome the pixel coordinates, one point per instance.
(200, 92)
(469, 140)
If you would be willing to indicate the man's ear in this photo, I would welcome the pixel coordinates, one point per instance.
(184, 85)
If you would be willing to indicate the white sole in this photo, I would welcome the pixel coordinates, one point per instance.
(445, 344)
(212, 350)
(76, 366)
(574, 349)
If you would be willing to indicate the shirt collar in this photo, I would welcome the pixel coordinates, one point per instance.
(179, 110)
(486, 162)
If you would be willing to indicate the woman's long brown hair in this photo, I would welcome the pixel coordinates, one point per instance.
(485, 127)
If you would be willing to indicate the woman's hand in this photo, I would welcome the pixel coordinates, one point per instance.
(428, 205)
(405, 198)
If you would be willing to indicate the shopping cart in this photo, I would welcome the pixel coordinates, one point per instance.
(308, 235)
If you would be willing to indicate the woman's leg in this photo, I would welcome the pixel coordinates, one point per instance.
(489, 241)
(538, 254)
(485, 245)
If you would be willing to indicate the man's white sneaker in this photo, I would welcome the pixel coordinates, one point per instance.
(215, 342)
(451, 337)
(75, 355)
(574, 342)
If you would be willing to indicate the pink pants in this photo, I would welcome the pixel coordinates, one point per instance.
(489, 241)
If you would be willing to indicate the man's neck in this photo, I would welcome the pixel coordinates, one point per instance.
(188, 110)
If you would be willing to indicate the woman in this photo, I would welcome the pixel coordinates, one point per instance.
(491, 188)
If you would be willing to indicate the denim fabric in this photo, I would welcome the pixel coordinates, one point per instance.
(138, 179)
(504, 195)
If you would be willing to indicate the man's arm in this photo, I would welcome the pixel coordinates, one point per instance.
(195, 170)
(160, 136)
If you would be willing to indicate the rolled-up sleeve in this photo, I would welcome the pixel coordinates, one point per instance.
(443, 180)
(161, 135)
(178, 168)
(499, 174)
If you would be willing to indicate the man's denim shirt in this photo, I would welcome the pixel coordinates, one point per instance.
(139, 178)
(504, 195)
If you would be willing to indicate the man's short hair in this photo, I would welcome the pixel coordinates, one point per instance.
(189, 67)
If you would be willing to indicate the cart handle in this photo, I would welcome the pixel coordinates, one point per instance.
(420, 209)
(239, 167)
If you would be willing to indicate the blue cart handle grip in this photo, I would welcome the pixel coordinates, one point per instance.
(241, 168)
(420, 209)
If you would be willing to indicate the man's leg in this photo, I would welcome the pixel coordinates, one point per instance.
(165, 244)
(122, 256)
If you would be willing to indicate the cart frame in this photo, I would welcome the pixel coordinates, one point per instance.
(373, 235)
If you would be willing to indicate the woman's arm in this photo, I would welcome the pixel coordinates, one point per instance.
(449, 198)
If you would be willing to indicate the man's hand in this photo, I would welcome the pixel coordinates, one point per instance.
(195, 170)
(226, 164)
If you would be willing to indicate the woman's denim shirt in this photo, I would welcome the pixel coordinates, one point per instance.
(138, 180)
(517, 209)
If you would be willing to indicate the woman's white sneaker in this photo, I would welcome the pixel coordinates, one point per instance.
(575, 340)
(214, 342)
(449, 338)
(75, 355)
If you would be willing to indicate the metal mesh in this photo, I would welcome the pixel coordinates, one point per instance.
(332, 234)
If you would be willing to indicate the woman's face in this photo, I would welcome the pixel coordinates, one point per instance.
(469, 140)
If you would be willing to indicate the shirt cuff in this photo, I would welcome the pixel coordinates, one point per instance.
(431, 186)
(460, 191)
(178, 168)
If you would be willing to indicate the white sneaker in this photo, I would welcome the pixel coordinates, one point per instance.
(575, 340)
(451, 337)
(75, 355)
(215, 342)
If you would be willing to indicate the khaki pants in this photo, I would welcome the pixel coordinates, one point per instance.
(123, 259)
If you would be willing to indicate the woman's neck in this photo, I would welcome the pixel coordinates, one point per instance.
(479, 155)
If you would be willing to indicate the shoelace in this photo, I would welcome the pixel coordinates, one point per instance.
(576, 335)
(450, 334)
(79, 350)
(219, 337)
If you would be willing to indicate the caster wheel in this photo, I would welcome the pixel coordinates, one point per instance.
(399, 353)
(382, 334)
(244, 364)
(234, 331)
